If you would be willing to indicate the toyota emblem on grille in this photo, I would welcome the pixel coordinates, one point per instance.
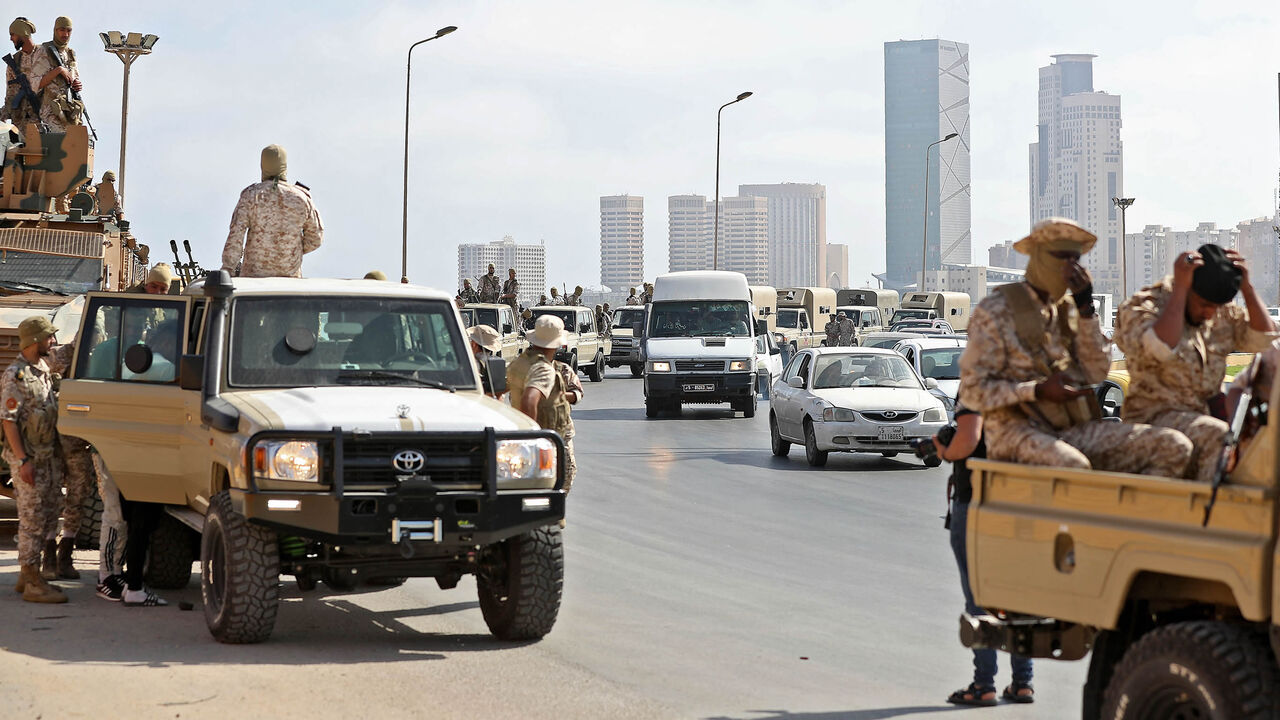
(408, 461)
(889, 414)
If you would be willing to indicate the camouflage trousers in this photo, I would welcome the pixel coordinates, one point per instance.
(79, 480)
(115, 532)
(1207, 435)
(833, 340)
(1098, 444)
(38, 506)
(571, 463)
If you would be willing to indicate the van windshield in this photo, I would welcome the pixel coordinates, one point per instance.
(700, 318)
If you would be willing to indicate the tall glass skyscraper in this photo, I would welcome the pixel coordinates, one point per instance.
(926, 97)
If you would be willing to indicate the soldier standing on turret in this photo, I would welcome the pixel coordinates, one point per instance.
(22, 99)
(646, 297)
(576, 297)
(281, 222)
(511, 290)
(468, 293)
(632, 299)
(57, 108)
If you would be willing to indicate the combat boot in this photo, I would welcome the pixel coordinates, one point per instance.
(49, 565)
(66, 570)
(22, 583)
(36, 590)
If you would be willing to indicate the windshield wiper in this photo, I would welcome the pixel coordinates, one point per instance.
(27, 287)
(388, 375)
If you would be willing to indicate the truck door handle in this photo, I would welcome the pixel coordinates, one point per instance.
(77, 407)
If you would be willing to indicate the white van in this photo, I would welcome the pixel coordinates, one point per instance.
(699, 342)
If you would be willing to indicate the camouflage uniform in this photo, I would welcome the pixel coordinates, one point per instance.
(35, 65)
(490, 288)
(646, 297)
(78, 475)
(832, 330)
(847, 330)
(282, 225)
(511, 287)
(469, 294)
(27, 398)
(532, 369)
(56, 90)
(632, 299)
(998, 376)
(1171, 387)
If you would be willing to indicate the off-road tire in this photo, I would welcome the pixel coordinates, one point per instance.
(816, 457)
(781, 448)
(170, 555)
(1200, 669)
(239, 575)
(637, 370)
(595, 373)
(91, 521)
(749, 407)
(524, 602)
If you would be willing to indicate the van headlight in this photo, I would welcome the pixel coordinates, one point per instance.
(520, 460)
(739, 365)
(935, 414)
(287, 460)
(659, 366)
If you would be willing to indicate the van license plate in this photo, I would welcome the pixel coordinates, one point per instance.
(891, 433)
(699, 387)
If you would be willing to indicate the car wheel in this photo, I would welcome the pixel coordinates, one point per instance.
(519, 583)
(637, 370)
(598, 375)
(933, 461)
(749, 407)
(890, 453)
(780, 447)
(239, 575)
(816, 457)
(170, 554)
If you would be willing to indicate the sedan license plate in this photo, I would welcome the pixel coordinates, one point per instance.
(699, 387)
(891, 433)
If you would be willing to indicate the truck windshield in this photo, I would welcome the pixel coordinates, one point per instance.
(342, 340)
(486, 316)
(788, 319)
(627, 318)
(568, 316)
(698, 318)
(901, 315)
(66, 275)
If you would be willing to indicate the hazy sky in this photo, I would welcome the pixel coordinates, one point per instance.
(534, 109)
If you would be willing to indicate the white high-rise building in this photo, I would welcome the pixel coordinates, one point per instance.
(1076, 163)
(688, 233)
(797, 232)
(621, 241)
(529, 261)
(744, 237)
(1257, 242)
(1141, 249)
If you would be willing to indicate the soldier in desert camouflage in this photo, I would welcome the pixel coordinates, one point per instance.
(1032, 345)
(490, 286)
(58, 108)
(1176, 336)
(33, 64)
(281, 222)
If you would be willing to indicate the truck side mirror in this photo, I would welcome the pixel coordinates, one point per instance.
(506, 328)
(637, 329)
(191, 372)
(497, 370)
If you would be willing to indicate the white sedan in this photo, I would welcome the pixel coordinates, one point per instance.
(852, 400)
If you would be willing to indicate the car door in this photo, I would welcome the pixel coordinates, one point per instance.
(141, 422)
(792, 416)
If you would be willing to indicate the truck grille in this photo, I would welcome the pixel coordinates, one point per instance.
(453, 463)
(699, 366)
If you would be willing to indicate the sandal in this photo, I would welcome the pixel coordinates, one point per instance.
(1019, 692)
(974, 695)
(149, 600)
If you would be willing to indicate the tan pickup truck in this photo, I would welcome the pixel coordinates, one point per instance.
(1180, 615)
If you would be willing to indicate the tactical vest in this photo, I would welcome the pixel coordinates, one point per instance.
(1028, 325)
(553, 411)
(38, 415)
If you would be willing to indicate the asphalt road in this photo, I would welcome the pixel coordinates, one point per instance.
(705, 579)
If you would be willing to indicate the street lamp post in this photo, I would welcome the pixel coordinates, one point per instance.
(404, 217)
(128, 47)
(1123, 204)
(715, 251)
(924, 243)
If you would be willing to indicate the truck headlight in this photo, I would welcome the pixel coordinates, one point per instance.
(659, 366)
(287, 460)
(533, 459)
(935, 415)
(739, 365)
(835, 414)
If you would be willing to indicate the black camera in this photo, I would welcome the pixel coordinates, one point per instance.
(924, 448)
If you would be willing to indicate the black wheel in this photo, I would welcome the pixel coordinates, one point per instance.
(675, 408)
(890, 453)
(933, 461)
(749, 407)
(239, 575)
(170, 555)
(780, 447)
(340, 580)
(816, 457)
(91, 521)
(519, 582)
(637, 370)
(595, 373)
(651, 408)
(1200, 670)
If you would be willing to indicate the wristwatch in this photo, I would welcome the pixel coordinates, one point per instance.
(21, 461)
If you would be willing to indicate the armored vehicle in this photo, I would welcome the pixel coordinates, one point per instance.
(331, 430)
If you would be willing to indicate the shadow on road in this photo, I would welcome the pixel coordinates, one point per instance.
(877, 714)
(310, 628)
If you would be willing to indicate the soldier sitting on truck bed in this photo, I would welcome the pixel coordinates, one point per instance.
(1031, 347)
(1176, 336)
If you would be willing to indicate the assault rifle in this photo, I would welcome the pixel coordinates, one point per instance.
(24, 87)
(71, 107)
(1229, 445)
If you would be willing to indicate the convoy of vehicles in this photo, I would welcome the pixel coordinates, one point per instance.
(330, 430)
(954, 307)
(802, 315)
(699, 342)
(864, 400)
(624, 347)
(586, 349)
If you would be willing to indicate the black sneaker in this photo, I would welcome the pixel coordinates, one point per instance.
(112, 588)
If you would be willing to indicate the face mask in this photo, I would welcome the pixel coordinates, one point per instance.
(1044, 272)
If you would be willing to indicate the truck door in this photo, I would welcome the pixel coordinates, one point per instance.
(138, 418)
